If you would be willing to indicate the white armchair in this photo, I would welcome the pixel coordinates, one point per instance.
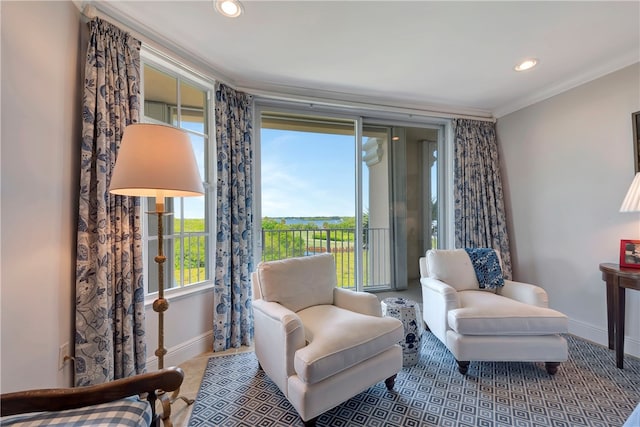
(512, 323)
(321, 345)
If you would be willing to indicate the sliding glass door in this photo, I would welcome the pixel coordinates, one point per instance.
(367, 194)
(323, 190)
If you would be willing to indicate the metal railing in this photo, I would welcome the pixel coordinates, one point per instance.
(281, 244)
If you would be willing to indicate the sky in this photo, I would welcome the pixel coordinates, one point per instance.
(307, 174)
(302, 174)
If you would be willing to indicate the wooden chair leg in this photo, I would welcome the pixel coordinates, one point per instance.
(310, 423)
(463, 366)
(390, 382)
(552, 367)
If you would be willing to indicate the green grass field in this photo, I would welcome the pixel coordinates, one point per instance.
(194, 262)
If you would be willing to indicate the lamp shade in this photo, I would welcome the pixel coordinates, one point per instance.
(155, 161)
(631, 201)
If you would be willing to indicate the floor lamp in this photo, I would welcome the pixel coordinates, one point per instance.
(157, 161)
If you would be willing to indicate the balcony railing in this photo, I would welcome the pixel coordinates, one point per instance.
(281, 244)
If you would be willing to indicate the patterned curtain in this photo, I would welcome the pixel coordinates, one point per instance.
(232, 317)
(480, 219)
(110, 316)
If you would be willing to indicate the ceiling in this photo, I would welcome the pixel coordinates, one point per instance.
(451, 57)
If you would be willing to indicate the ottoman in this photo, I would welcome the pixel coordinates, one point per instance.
(408, 312)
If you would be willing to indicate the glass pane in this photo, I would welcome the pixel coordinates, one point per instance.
(152, 224)
(194, 246)
(308, 192)
(152, 265)
(194, 214)
(432, 196)
(160, 93)
(193, 112)
(199, 150)
(376, 202)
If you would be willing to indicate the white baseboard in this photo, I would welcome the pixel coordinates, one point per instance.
(204, 343)
(600, 336)
(182, 352)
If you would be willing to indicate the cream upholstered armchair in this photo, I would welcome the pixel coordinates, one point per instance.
(321, 345)
(511, 322)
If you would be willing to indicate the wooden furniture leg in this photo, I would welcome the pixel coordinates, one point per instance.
(619, 343)
(390, 382)
(611, 312)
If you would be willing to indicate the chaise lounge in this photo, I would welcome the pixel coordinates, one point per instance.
(507, 323)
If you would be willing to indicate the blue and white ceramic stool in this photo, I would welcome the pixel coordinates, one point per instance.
(408, 312)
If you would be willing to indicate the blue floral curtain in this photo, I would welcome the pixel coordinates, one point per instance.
(232, 317)
(480, 220)
(110, 314)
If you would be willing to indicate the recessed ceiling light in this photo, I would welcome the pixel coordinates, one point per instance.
(229, 8)
(527, 64)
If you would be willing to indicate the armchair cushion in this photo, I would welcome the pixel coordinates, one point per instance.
(298, 283)
(327, 353)
(484, 313)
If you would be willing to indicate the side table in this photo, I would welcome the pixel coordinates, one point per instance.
(408, 312)
(618, 279)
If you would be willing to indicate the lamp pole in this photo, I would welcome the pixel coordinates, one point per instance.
(160, 305)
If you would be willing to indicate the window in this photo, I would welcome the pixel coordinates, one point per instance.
(176, 97)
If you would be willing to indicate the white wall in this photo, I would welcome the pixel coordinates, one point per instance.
(567, 164)
(40, 98)
(43, 45)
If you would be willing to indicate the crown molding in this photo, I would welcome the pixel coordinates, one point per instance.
(623, 61)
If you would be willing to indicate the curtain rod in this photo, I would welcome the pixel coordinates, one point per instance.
(358, 107)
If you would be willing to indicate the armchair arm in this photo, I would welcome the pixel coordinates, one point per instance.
(360, 302)
(525, 292)
(59, 399)
(438, 299)
(279, 333)
(441, 291)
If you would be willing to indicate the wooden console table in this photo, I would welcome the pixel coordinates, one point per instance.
(618, 279)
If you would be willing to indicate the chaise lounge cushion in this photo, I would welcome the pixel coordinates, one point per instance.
(452, 267)
(485, 313)
(327, 353)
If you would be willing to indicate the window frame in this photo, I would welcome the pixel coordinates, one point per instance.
(171, 67)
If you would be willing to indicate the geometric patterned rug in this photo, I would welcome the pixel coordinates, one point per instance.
(588, 390)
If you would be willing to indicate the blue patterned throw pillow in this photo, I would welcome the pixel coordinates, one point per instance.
(487, 267)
